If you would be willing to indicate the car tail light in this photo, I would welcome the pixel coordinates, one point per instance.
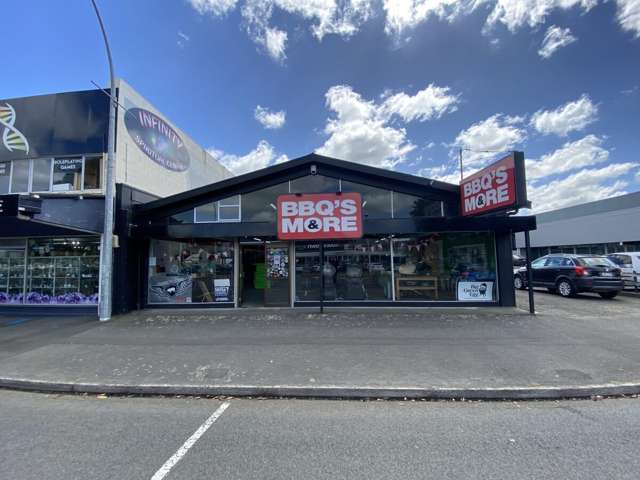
(581, 271)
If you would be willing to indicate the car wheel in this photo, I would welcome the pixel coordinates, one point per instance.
(518, 283)
(608, 295)
(565, 288)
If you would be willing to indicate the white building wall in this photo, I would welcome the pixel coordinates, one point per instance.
(156, 176)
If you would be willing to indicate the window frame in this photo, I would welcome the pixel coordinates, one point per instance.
(217, 209)
(51, 160)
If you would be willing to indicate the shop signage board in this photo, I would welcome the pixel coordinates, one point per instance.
(9, 205)
(71, 123)
(321, 216)
(500, 186)
(157, 139)
(73, 165)
(475, 291)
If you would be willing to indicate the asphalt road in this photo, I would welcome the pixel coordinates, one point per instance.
(69, 437)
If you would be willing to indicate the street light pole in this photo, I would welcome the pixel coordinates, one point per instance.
(106, 250)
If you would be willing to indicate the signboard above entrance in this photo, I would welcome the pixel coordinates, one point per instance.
(498, 187)
(321, 216)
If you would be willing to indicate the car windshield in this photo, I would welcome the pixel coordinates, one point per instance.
(596, 262)
(621, 260)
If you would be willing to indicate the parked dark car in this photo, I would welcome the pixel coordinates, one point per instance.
(571, 274)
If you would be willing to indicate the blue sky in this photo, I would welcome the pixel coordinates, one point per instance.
(391, 83)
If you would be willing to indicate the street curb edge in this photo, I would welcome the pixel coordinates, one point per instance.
(332, 392)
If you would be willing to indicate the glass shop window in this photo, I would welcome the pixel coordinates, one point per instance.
(225, 210)
(20, 176)
(63, 271)
(315, 184)
(229, 209)
(207, 213)
(67, 174)
(194, 272)
(358, 270)
(409, 206)
(92, 173)
(376, 202)
(445, 267)
(260, 205)
(41, 176)
(12, 260)
(5, 176)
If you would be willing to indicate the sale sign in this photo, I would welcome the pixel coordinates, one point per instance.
(492, 188)
(319, 216)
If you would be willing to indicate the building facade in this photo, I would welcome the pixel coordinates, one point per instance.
(52, 157)
(597, 228)
(218, 246)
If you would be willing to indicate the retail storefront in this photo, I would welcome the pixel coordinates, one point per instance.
(410, 242)
(52, 165)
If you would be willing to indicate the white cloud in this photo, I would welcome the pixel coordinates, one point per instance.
(268, 119)
(586, 185)
(213, 7)
(183, 39)
(345, 17)
(274, 42)
(441, 173)
(566, 118)
(402, 15)
(582, 153)
(361, 130)
(431, 102)
(554, 39)
(485, 139)
(260, 157)
(327, 16)
(628, 16)
(517, 13)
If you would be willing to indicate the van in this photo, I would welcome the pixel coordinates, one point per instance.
(629, 263)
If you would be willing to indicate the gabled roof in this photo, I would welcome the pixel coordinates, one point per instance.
(296, 168)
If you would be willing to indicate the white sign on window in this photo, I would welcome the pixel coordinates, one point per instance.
(475, 291)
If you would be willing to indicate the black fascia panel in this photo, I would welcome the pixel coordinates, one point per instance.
(293, 169)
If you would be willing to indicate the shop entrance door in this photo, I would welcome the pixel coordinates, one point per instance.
(264, 275)
(252, 275)
(277, 287)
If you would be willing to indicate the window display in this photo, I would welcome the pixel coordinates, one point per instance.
(62, 271)
(196, 272)
(432, 267)
(353, 270)
(12, 273)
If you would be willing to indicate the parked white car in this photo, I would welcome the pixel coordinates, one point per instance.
(629, 263)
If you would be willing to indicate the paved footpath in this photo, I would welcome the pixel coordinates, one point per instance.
(580, 346)
(82, 437)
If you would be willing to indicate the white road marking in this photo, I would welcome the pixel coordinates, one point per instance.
(181, 452)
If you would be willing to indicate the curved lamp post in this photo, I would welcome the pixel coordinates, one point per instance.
(106, 250)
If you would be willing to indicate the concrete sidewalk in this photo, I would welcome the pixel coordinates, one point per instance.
(572, 348)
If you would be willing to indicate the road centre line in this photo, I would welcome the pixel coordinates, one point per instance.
(181, 452)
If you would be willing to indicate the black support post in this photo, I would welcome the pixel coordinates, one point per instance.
(321, 277)
(527, 245)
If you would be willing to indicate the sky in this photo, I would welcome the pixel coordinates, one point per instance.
(398, 84)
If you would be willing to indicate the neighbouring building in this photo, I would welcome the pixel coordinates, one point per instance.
(52, 167)
(604, 226)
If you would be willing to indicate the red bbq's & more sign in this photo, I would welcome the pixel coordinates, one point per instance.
(499, 187)
(320, 216)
